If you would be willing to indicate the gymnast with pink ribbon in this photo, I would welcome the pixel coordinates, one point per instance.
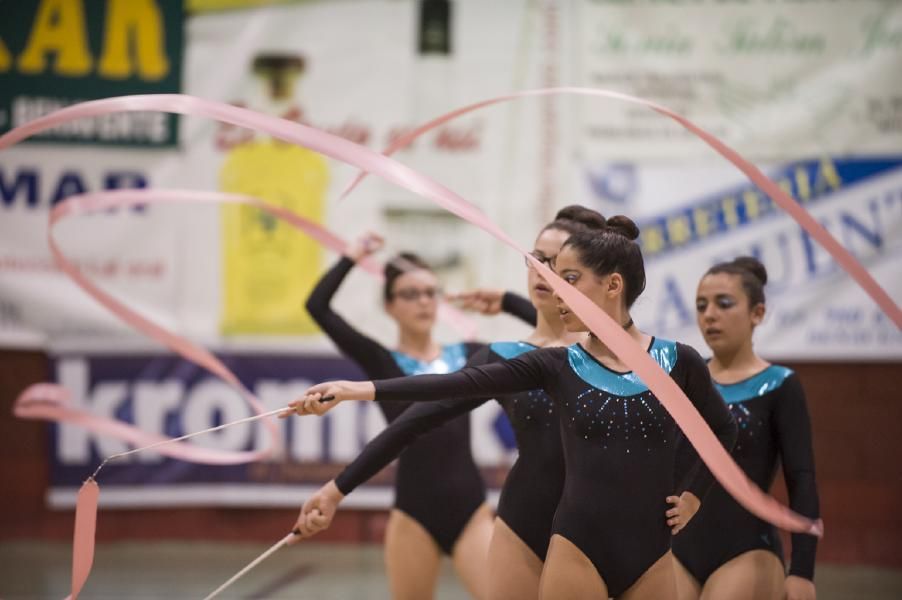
(41, 403)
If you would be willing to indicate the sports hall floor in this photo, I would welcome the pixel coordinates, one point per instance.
(176, 570)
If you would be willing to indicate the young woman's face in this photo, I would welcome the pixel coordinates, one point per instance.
(604, 291)
(724, 316)
(414, 301)
(546, 249)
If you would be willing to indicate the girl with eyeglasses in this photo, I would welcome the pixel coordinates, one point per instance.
(533, 486)
(440, 503)
(727, 552)
(623, 497)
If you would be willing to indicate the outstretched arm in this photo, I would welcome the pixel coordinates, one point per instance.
(529, 371)
(493, 301)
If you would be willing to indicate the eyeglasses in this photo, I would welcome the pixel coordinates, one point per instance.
(413, 294)
(548, 261)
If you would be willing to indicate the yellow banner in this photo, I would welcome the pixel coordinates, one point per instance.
(269, 268)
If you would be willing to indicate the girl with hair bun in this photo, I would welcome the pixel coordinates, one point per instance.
(622, 497)
(727, 552)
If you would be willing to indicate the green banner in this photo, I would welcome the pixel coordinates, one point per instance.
(58, 52)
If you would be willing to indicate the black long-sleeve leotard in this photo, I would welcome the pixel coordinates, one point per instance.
(618, 441)
(437, 482)
(533, 486)
(773, 422)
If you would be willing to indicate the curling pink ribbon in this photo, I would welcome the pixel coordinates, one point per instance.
(51, 402)
(842, 256)
(674, 400)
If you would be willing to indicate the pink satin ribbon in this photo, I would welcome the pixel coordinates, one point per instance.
(674, 400)
(842, 256)
(51, 402)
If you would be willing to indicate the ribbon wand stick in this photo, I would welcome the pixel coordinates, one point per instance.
(278, 545)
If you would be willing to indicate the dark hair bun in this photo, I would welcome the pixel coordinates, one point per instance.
(623, 226)
(753, 266)
(582, 215)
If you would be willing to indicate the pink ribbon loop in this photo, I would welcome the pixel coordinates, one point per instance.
(51, 402)
(717, 459)
(842, 256)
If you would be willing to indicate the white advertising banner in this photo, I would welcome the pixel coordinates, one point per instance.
(795, 86)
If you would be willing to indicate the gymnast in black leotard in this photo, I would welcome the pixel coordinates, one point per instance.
(726, 549)
(437, 484)
(533, 486)
(610, 534)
